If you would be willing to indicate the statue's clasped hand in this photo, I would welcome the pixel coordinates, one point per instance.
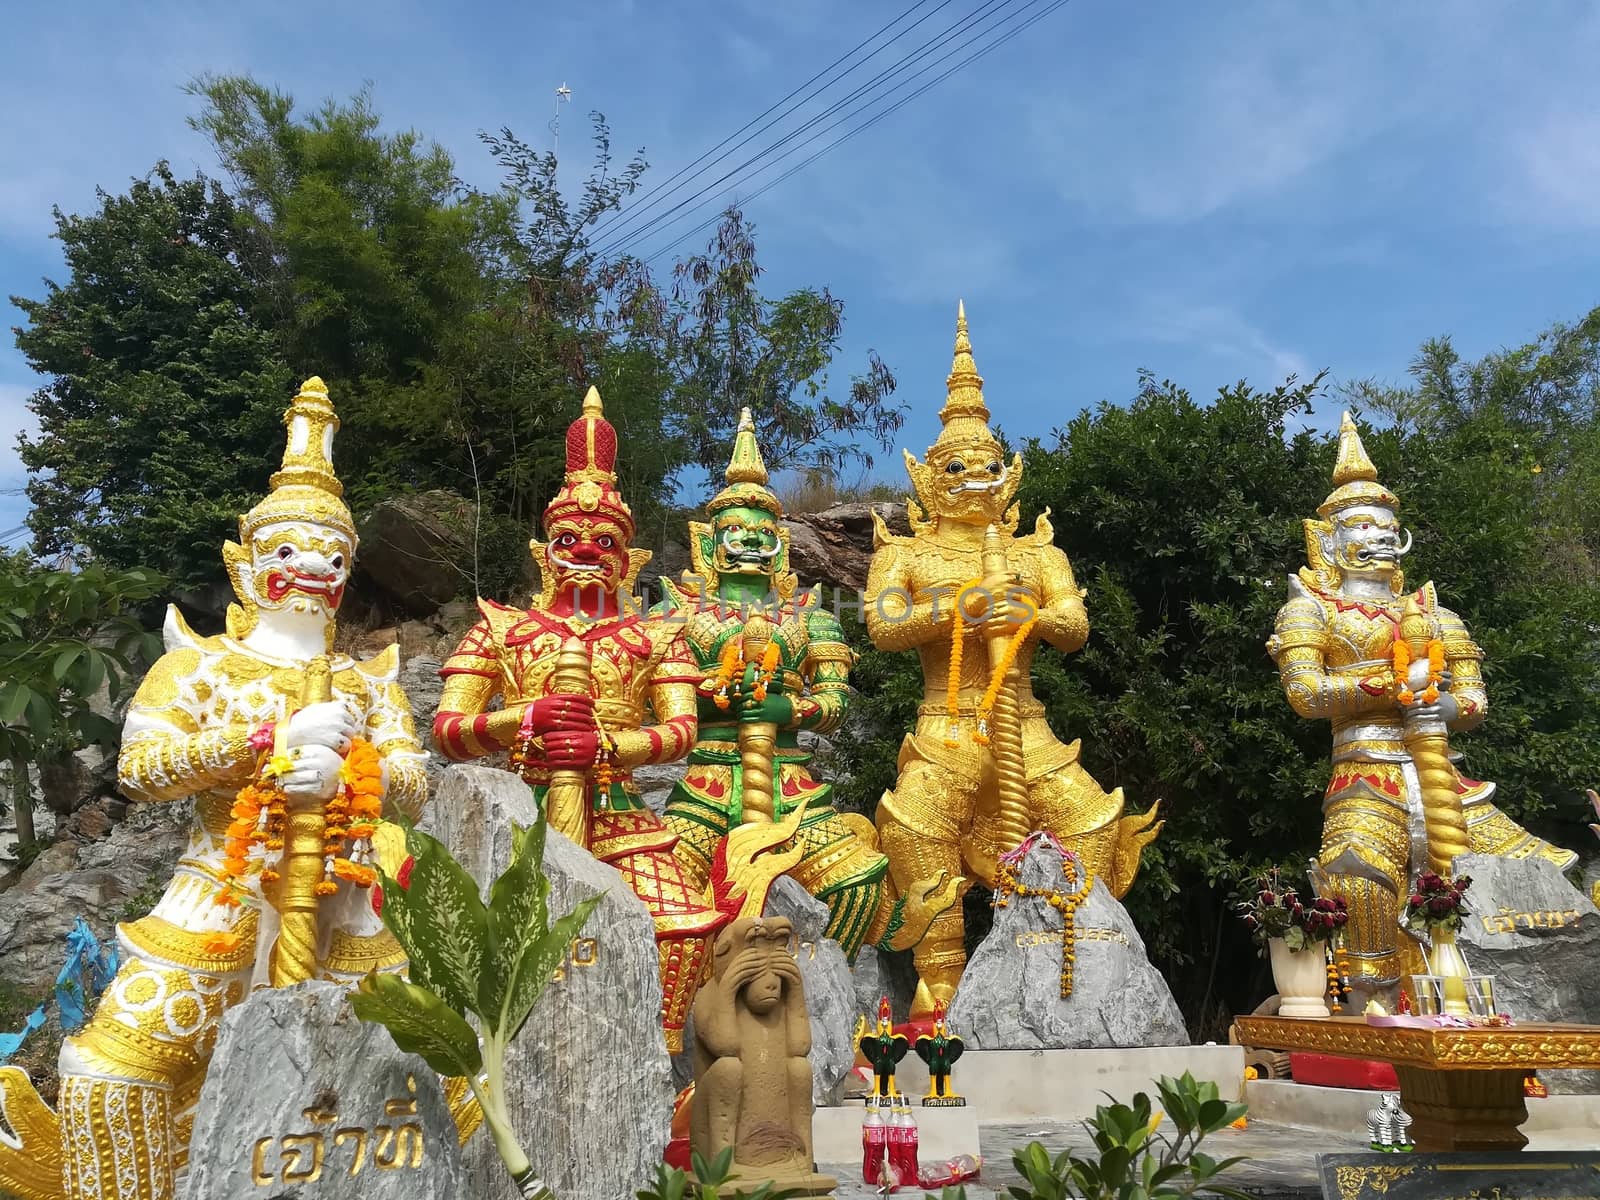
(1013, 606)
(317, 738)
(565, 725)
(774, 707)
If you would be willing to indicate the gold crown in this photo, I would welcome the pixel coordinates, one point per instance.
(1355, 479)
(305, 487)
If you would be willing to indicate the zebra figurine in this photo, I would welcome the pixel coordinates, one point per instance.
(1387, 1125)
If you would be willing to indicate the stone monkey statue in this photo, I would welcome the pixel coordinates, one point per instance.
(752, 1035)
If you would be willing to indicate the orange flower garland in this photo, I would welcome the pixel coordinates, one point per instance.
(769, 667)
(260, 814)
(952, 686)
(1007, 884)
(1402, 668)
(726, 669)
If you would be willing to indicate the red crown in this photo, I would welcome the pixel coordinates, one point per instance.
(590, 486)
(884, 1011)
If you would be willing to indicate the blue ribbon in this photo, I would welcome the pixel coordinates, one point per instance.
(88, 971)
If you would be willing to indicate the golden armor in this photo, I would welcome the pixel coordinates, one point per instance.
(741, 603)
(1396, 802)
(195, 731)
(982, 769)
(591, 688)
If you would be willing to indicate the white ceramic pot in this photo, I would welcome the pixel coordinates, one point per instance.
(1302, 979)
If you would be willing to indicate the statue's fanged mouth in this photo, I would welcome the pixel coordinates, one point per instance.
(567, 564)
(280, 582)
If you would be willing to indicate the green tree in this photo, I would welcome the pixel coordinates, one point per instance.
(67, 638)
(162, 387)
(733, 348)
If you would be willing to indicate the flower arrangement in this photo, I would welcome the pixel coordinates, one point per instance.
(1277, 911)
(1436, 904)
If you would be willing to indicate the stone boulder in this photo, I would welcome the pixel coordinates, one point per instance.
(304, 1100)
(1009, 997)
(833, 548)
(590, 1086)
(102, 881)
(830, 992)
(1540, 939)
(418, 549)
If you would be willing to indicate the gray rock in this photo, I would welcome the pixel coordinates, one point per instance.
(590, 1086)
(95, 881)
(289, 1050)
(833, 548)
(419, 680)
(1010, 995)
(418, 548)
(1540, 939)
(829, 990)
(655, 783)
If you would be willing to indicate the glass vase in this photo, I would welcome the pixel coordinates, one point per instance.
(1445, 960)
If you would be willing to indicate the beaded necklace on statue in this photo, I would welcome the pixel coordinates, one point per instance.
(1065, 901)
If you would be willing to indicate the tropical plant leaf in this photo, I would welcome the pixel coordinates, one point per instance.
(538, 962)
(517, 916)
(420, 1022)
(440, 922)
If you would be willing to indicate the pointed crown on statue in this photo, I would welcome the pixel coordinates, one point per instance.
(589, 488)
(885, 1013)
(746, 475)
(305, 488)
(1355, 479)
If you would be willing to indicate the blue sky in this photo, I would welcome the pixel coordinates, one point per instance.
(1212, 191)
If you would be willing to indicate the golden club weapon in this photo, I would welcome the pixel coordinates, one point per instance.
(1428, 743)
(758, 740)
(566, 798)
(294, 954)
(1005, 738)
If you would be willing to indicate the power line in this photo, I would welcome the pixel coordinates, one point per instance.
(964, 26)
(612, 226)
(668, 246)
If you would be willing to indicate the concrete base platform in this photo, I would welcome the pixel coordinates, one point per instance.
(1066, 1085)
(942, 1133)
(1554, 1122)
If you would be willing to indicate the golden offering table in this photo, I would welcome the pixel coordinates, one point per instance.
(1463, 1087)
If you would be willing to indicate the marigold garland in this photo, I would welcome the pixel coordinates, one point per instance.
(997, 679)
(726, 669)
(1402, 668)
(260, 815)
(952, 686)
(1007, 884)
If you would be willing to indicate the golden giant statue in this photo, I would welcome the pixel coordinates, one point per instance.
(982, 769)
(240, 912)
(1353, 648)
(591, 687)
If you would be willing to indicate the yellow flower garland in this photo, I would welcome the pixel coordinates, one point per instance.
(997, 679)
(952, 686)
(1065, 902)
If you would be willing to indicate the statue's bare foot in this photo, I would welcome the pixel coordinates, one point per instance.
(923, 903)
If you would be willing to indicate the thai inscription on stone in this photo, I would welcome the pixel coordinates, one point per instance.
(1509, 920)
(1052, 937)
(303, 1157)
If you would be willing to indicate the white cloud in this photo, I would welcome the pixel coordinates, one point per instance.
(1245, 348)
